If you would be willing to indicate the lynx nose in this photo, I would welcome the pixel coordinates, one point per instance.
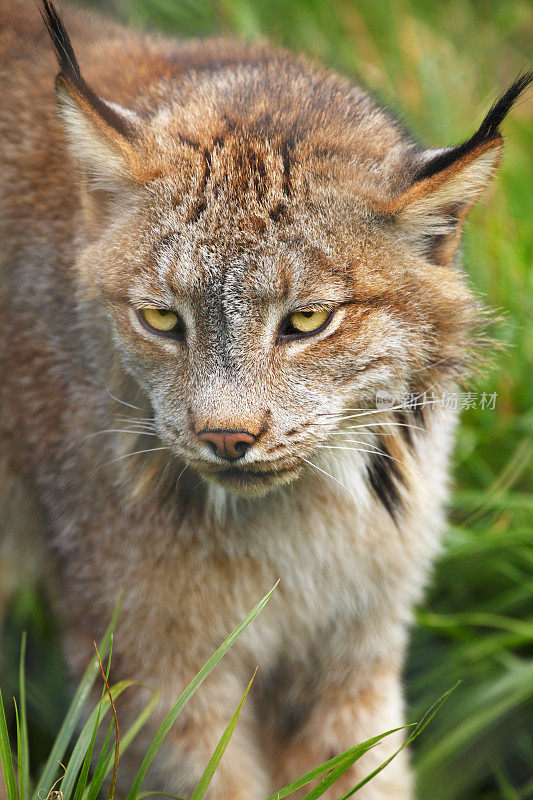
(228, 444)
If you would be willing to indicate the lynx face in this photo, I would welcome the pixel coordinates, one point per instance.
(253, 332)
(271, 256)
(235, 360)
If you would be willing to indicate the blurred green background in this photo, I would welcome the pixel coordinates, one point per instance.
(438, 66)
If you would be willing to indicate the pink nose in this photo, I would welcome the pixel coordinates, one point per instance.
(228, 444)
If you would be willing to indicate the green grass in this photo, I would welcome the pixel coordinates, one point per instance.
(66, 773)
(438, 66)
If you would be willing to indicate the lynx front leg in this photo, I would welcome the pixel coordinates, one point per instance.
(346, 716)
(240, 774)
(187, 749)
(191, 741)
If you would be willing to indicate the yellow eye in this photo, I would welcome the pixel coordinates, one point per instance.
(309, 321)
(160, 319)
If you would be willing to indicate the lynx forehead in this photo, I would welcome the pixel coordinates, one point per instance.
(222, 262)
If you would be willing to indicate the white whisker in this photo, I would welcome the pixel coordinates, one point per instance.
(118, 400)
(181, 473)
(383, 425)
(402, 406)
(139, 452)
(368, 412)
(434, 364)
(146, 425)
(346, 432)
(149, 420)
(358, 441)
(323, 471)
(120, 430)
(359, 450)
(342, 447)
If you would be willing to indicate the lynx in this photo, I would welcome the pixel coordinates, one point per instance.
(223, 268)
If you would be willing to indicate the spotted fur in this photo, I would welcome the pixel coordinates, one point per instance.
(232, 183)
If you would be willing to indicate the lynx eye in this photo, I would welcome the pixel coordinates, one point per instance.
(161, 320)
(305, 322)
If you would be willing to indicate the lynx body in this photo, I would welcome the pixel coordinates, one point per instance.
(231, 194)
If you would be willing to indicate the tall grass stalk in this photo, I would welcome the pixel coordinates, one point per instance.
(75, 781)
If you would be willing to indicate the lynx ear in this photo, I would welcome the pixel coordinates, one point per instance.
(100, 133)
(448, 182)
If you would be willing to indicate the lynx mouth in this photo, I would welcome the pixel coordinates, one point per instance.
(248, 482)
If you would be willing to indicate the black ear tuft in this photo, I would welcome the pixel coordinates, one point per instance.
(70, 74)
(489, 128)
(66, 58)
(487, 131)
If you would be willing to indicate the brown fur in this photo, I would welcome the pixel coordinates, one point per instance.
(234, 183)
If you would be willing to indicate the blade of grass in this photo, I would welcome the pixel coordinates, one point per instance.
(350, 755)
(117, 738)
(5, 756)
(19, 752)
(80, 748)
(24, 773)
(99, 763)
(214, 761)
(73, 714)
(81, 745)
(103, 766)
(82, 780)
(331, 778)
(484, 706)
(188, 693)
(343, 767)
(424, 722)
(132, 732)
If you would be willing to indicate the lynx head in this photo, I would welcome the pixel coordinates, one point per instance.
(271, 250)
